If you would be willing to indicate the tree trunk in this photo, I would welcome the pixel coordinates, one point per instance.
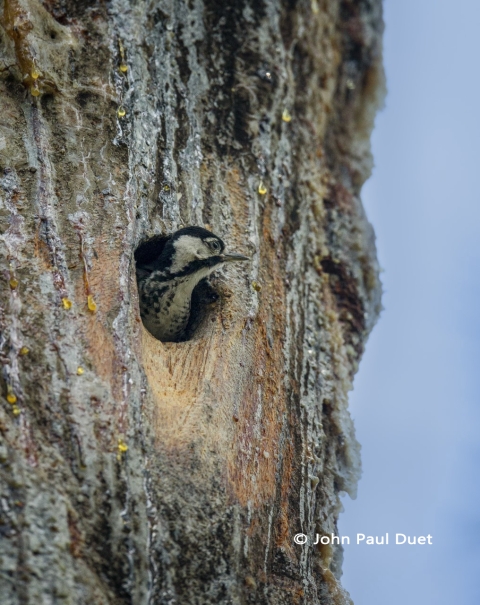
(134, 471)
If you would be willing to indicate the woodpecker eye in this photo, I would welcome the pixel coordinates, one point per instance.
(214, 245)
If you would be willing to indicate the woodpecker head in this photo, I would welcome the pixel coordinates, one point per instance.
(170, 274)
(190, 251)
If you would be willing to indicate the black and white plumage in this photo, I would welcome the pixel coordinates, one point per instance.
(168, 271)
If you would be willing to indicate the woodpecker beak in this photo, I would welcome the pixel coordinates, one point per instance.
(231, 258)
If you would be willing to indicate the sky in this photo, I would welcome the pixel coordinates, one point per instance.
(415, 398)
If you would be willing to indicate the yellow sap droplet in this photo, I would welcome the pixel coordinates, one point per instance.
(262, 190)
(24, 351)
(13, 283)
(34, 90)
(16, 411)
(35, 74)
(122, 446)
(286, 117)
(256, 286)
(123, 67)
(166, 188)
(67, 303)
(121, 112)
(11, 398)
(92, 305)
(80, 371)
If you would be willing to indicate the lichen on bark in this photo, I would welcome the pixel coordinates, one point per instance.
(139, 472)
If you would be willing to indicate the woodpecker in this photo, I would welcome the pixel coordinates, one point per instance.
(169, 271)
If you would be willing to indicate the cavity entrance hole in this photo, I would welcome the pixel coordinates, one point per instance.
(203, 297)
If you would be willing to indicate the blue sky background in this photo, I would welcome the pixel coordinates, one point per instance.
(415, 400)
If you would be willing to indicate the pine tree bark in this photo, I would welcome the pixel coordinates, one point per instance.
(139, 472)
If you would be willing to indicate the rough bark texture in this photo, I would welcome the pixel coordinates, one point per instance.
(139, 472)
